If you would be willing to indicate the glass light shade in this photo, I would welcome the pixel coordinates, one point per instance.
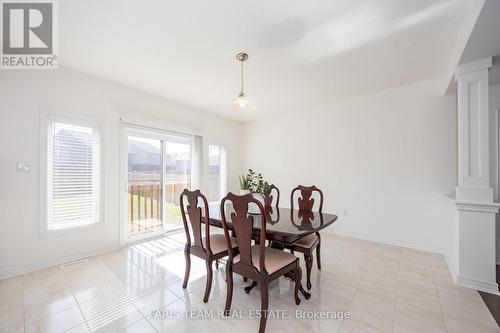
(241, 101)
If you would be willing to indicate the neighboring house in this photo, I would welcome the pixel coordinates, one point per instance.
(143, 156)
(144, 159)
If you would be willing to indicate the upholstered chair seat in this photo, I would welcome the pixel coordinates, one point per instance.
(307, 242)
(218, 243)
(275, 259)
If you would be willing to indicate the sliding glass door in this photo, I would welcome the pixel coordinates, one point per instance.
(158, 170)
(177, 171)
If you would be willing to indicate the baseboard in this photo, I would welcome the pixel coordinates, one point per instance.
(450, 267)
(414, 246)
(466, 282)
(28, 268)
(487, 287)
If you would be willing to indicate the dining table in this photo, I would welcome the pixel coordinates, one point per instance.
(284, 226)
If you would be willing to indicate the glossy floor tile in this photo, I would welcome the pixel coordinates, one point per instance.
(363, 287)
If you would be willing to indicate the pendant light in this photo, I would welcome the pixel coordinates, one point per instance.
(241, 101)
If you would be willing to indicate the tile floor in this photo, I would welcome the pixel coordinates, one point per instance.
(385, 289)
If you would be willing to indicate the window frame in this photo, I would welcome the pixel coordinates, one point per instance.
(224, 164)
(165, 134)
(52, 115)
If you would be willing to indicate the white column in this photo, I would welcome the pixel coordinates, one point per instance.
(473, 137)
(475, 259)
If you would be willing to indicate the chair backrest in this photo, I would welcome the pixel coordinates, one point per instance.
(270, 212)
(242, 225)
(305, 201)
(195, 218)
(268, 197)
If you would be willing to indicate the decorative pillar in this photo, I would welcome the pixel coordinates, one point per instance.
(473, 258)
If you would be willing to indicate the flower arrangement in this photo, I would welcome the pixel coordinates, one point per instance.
(252, 182)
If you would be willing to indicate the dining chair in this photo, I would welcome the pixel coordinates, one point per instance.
(209, 247)
(268, 202)
(268, 196)
(258, 262)
(307, 244)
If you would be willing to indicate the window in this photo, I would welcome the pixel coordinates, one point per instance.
(216, 172)
(73, 174)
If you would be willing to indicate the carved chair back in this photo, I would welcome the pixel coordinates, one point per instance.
(195, 218)
(268, 196)
(305, 200)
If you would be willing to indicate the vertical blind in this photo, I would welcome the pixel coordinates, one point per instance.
(73, 175)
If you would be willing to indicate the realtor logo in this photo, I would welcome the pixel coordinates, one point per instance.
(28, 34)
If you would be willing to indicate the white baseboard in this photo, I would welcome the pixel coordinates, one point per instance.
(466, 282)
(487, 287)
(410, 245)
(450, 267)
(28, 268)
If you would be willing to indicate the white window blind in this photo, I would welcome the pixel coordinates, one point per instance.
(73, 175)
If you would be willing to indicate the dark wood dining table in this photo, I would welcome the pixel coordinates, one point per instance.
(283, 225)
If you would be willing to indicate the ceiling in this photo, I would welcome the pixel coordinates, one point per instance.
(484, 40)
(302, 53)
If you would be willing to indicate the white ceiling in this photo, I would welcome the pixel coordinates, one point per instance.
(484, 40)
(302, 53)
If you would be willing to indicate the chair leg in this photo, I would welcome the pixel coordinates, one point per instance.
(292, 252)
(318, 253)
(187, 255)
(229, 294)
(209, 280)
(298, 279)
(250, 287)
(308, 259)
(264, 307)
(217, 264)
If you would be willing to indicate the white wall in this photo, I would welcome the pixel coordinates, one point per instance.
(22, 93)
(385, 158)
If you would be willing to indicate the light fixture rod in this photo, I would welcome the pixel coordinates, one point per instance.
(242, 93)
(242, 57)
